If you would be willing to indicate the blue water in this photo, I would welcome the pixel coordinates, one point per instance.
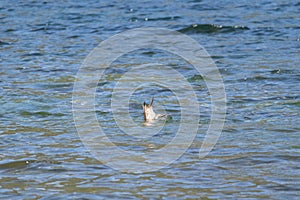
(256, 47)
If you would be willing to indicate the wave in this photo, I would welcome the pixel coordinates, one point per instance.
(211, 28)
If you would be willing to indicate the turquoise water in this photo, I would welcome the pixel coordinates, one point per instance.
(256, 47)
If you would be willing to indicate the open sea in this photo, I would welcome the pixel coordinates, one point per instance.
(255, 46)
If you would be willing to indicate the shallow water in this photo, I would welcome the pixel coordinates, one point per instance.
(255, 46)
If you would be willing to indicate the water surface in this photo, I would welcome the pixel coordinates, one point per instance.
(255, 46)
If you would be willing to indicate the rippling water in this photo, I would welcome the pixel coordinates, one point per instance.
(256, 46)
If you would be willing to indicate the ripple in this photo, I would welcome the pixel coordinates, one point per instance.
(40, 114)
(163, 18)
(2, 43)
(32, 54)
(211, 28)
(15, 164)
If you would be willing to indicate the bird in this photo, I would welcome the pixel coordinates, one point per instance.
(149, 114)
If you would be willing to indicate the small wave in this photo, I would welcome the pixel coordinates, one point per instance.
(32, 54)
(174, 18)
(40, 114)
(211, 28)
(2, 43)
(163, 18)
